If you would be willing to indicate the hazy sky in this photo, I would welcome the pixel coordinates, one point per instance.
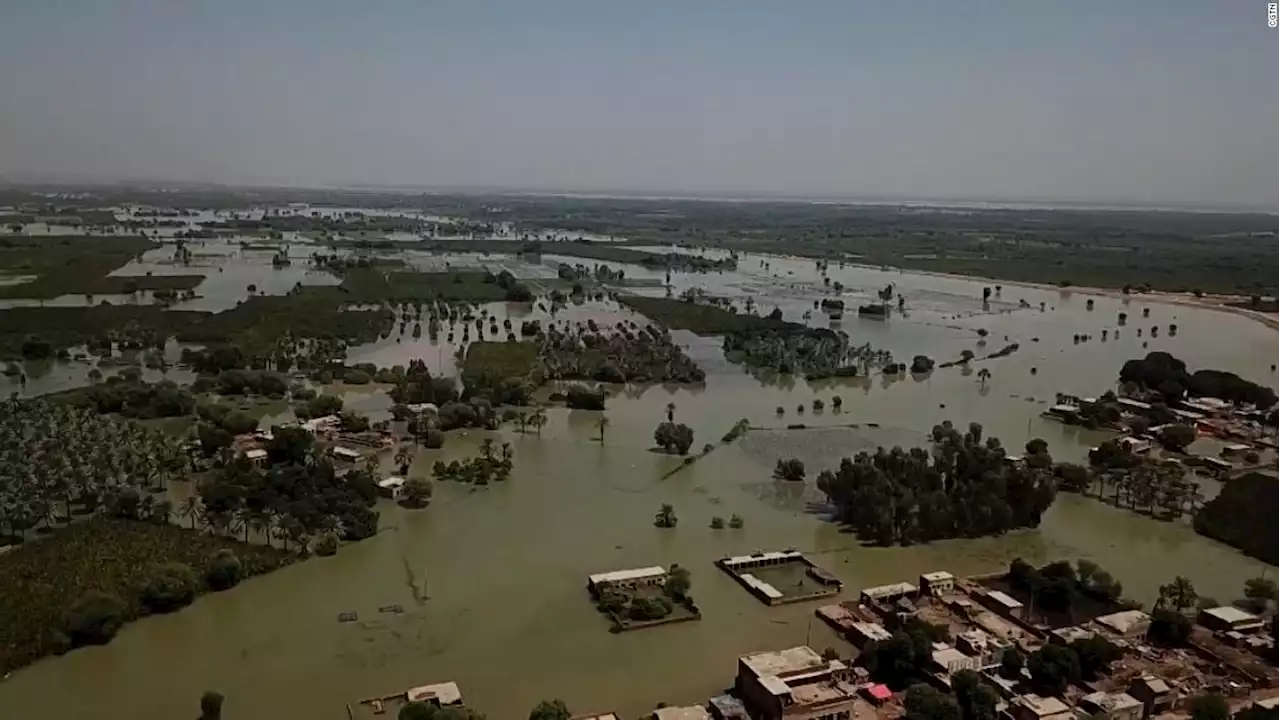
(1149, 101)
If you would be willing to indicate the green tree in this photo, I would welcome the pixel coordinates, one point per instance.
(418, 491)
(976, 699)
(1052, 668)
(1211, 706)
(211, 705)
(717, 523)
(677, 585)
(169, 587)
(550, 710)
(1095, 655)
(922, 702)
(666, 517)
(1259, 593)
(1012, 663)
(1169, 627)
(1177, 437)
(418, 710)
(736, 522)
(95, 618)
(224, 570)
(791, 470)
(1179, 595)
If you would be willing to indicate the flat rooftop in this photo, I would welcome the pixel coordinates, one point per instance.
(777, 555)
(1042, 706)
(822, 692)
(938, 576)
(902, 588)
(1231, 614)
(688, 712)
(783, 662)
(624, 575)
(445, 693)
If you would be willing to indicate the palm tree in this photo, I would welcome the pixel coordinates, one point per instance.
(984, 375)
(486, 449)
(1178, 595)
(538, 419)
(671, 412)
(190, 508)
(601, 425)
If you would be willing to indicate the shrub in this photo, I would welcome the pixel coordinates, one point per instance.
(356, 377)
(326, 545)
(433, 439)
(95, 618)
(224, 571)
(171, 586)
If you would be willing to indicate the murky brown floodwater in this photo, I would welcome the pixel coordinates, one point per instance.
(508, 616)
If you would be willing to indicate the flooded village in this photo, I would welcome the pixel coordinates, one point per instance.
(629, 475)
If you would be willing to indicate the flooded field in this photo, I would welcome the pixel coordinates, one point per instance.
(507, 614)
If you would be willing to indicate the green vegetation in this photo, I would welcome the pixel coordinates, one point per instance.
(1140, 483)
(906, 654)
(674, 438)
(492, 465)
(258, 325)
(814, 353)
(376, 284)
(966, 488)
(420, 710)
(81, 583)
(1243, 516)
(487, 362)
(1066, 590)
(297, 496)
(699, 317)
(665, 517)
(65, 265)
(211, 706)
(642, 605)
(1211, 706)
(1134, 249)
(550, 710)
(1166, 375)
(789, 470)
(624, 354)
(130, 326)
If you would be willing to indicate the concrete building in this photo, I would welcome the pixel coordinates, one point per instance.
(687, 712)
(1035, 707)
(1002, 602)
(440, 694)
(1109, 706)
(346, 454)
(950, 661)
(728, 707)
(761, 559)
(257, 456)
(1069, 634)
(795, 683)
(888, 593)
(627, 579)
(938, 583)
(981, 645)
(1126, 624)
(1154, 693)
(862, 633)
(392, 487)
(1227, 617)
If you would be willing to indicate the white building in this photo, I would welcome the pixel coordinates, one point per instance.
(627, 579)
(392, 487)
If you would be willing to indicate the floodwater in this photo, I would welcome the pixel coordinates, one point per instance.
(508, 616)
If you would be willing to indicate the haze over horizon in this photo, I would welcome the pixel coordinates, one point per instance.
(1165, 104)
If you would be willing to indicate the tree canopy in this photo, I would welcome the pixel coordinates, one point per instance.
(965, 488)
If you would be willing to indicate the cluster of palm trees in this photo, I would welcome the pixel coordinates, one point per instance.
(58, 461)
(534, 419)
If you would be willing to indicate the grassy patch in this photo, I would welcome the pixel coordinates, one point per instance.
(312, 312)
(70, 326)
(66, 265)
(44, 577)
(376, 285)
(700, 318)
(500, 360)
